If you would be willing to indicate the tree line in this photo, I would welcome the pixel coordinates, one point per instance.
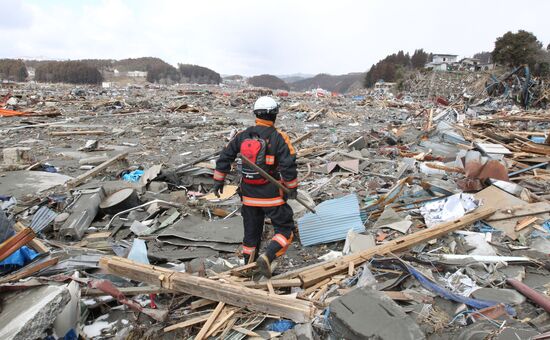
(73, 72)
(185, 73)
(392, 67)
(13, 70)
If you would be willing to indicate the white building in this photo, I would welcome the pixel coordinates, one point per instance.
(137, 74)
(442, 62)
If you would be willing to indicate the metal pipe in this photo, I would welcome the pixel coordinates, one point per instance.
(530, 293)
(540, 165)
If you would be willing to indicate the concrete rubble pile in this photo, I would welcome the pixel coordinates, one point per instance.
(441, 225)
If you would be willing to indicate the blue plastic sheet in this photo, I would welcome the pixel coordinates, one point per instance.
(19, 259)
(538, 139)
(433, 287)
(133, 176)
(281, 326)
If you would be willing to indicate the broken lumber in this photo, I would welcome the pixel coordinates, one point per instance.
(327, 269)
(520, 211)
(127, 291)
(77, 133)
(255, 300)
(90, 173)
(35, 243)
(187, 323)
(210, 321)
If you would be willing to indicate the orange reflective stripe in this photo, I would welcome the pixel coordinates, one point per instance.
(263, 202)
(279, 238)
(218, 175)
(264, 122)
(287, 141)
(284, 249)
(292, 184)
(269, 159)
(248, 250)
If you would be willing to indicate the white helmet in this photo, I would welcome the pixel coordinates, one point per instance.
(266, 105)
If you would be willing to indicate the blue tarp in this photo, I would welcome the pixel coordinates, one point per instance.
(133, 176)
(19, 259)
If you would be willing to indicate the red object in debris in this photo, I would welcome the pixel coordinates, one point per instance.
(442, 101)
(12, 113)
(282, 94)
(109, 288)
(494, 169)
(492, 312)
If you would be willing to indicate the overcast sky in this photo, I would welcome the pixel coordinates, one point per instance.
(255, 37)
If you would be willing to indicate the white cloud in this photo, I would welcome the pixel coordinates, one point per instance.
(252, 37)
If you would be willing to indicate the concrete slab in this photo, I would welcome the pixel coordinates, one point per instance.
(369, 314)
(21, 183)
(195, 229)
(27, 314)
(507, 296)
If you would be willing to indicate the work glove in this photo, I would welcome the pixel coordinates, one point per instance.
(218, 188)
(292, 194)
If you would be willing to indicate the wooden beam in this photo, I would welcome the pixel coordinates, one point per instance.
(201, 303)
(90, 173)
(520, 211)
(35, 243)
(128, 291)
(329, 268)
(525, 222)
(253, 299)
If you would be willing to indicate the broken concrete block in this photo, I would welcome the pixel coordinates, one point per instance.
(27, 314)
(506, 296)
(364, 313)
(17, 156)
(95, 160)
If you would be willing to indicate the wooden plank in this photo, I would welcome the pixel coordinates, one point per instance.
(187, 323)
(274, 283)
(210, 321)
(329, 268)
(520, 211)
(201, 303)
(90, 173)
(524, 223)
(270, 288)
(222, 320)
(236, 295)
(77, 133)
(29, 270)
(35, 243)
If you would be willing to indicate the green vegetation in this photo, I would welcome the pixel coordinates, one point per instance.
(268, 81)
(393, 67)
(73, 72)
(522, 48)
(13, 69)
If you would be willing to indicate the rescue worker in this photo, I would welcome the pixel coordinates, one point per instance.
(270, 149)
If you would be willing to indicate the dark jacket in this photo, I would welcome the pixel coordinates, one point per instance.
(283, 168)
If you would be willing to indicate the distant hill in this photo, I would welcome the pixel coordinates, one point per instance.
(268, 81)
(339, 83)
(292, 78)
(158, 71)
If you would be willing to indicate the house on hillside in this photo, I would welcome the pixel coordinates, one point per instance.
(442, 62)
(137, 74)
(474, 64)
(382, 87)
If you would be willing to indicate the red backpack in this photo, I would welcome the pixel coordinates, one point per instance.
(255, 148)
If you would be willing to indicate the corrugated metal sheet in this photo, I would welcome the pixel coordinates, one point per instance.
(331, 223)
(42, 218)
